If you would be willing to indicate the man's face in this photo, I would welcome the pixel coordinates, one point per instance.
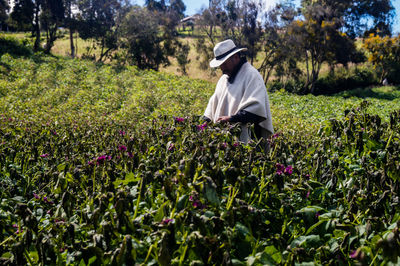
(229, 65)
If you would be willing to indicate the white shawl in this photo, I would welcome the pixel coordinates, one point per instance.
(247, 93)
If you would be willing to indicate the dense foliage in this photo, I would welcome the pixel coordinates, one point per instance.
(384, 54)
(103, 164)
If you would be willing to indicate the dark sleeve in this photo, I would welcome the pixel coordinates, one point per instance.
(246, 117)
(206, 119)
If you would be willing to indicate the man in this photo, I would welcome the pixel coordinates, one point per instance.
(240, 94)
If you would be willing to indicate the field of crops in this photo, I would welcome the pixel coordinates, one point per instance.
(103, 164)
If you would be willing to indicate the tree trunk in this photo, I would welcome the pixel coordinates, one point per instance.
(51, 37)
(36, 46)
(76, 44)
(71, 41)
(71, 31)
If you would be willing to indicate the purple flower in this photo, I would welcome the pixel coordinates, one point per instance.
(59, 221)
(317, 215)
(122, 148)
(236, 144)
(171, 147)
(122, 133)
(36, 196)
(280, 168)
(167, 221)
(102, 159)
(202, 126)
(276, 135)
(46, 200)
(308, 194)
(197, 204)
(44, 155)
(289, 170)
(15, 225)
(353, 254)
(179, 119)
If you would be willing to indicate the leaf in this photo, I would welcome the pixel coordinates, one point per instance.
(160, 212)
(243, 230)
(306, 241)
(92, 260)
(129, 178)
(182, 201)
(314, 226)
(211, 192)
(272, 254)
(61, 167)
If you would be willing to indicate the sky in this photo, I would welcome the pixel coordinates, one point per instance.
(194, 6)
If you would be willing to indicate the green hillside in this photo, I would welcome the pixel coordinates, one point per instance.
(103, 164)
(51, 87)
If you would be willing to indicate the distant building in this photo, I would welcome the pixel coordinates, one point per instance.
(189, 21)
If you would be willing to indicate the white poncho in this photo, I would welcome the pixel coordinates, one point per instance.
(247, 93)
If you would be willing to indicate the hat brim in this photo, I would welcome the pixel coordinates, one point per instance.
(217, 62)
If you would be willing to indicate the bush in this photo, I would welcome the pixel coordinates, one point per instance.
(345, 80)
(14, 46)
(294, 86)
(393, 76)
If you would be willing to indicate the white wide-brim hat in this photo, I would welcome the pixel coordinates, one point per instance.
(224, 50)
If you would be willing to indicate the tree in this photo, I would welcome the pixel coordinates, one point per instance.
(27, 12)
(356, 15)
(52, 16)
(178, 8)
(154, 5)
(142, 39)
(35, 25)
(22, 15)
(319, 40)
(182, 57)
(280, 48)
(4, 7)
(384, 54)
(99, 20)
(71, 22)
(251, 29)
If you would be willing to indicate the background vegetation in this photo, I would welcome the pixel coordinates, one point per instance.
(315, 48)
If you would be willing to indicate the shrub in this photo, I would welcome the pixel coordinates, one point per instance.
(384, 54)
(14, 46)
(345, 80)
(294, 86)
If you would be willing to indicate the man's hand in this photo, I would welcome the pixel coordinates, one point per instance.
(223, 119)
